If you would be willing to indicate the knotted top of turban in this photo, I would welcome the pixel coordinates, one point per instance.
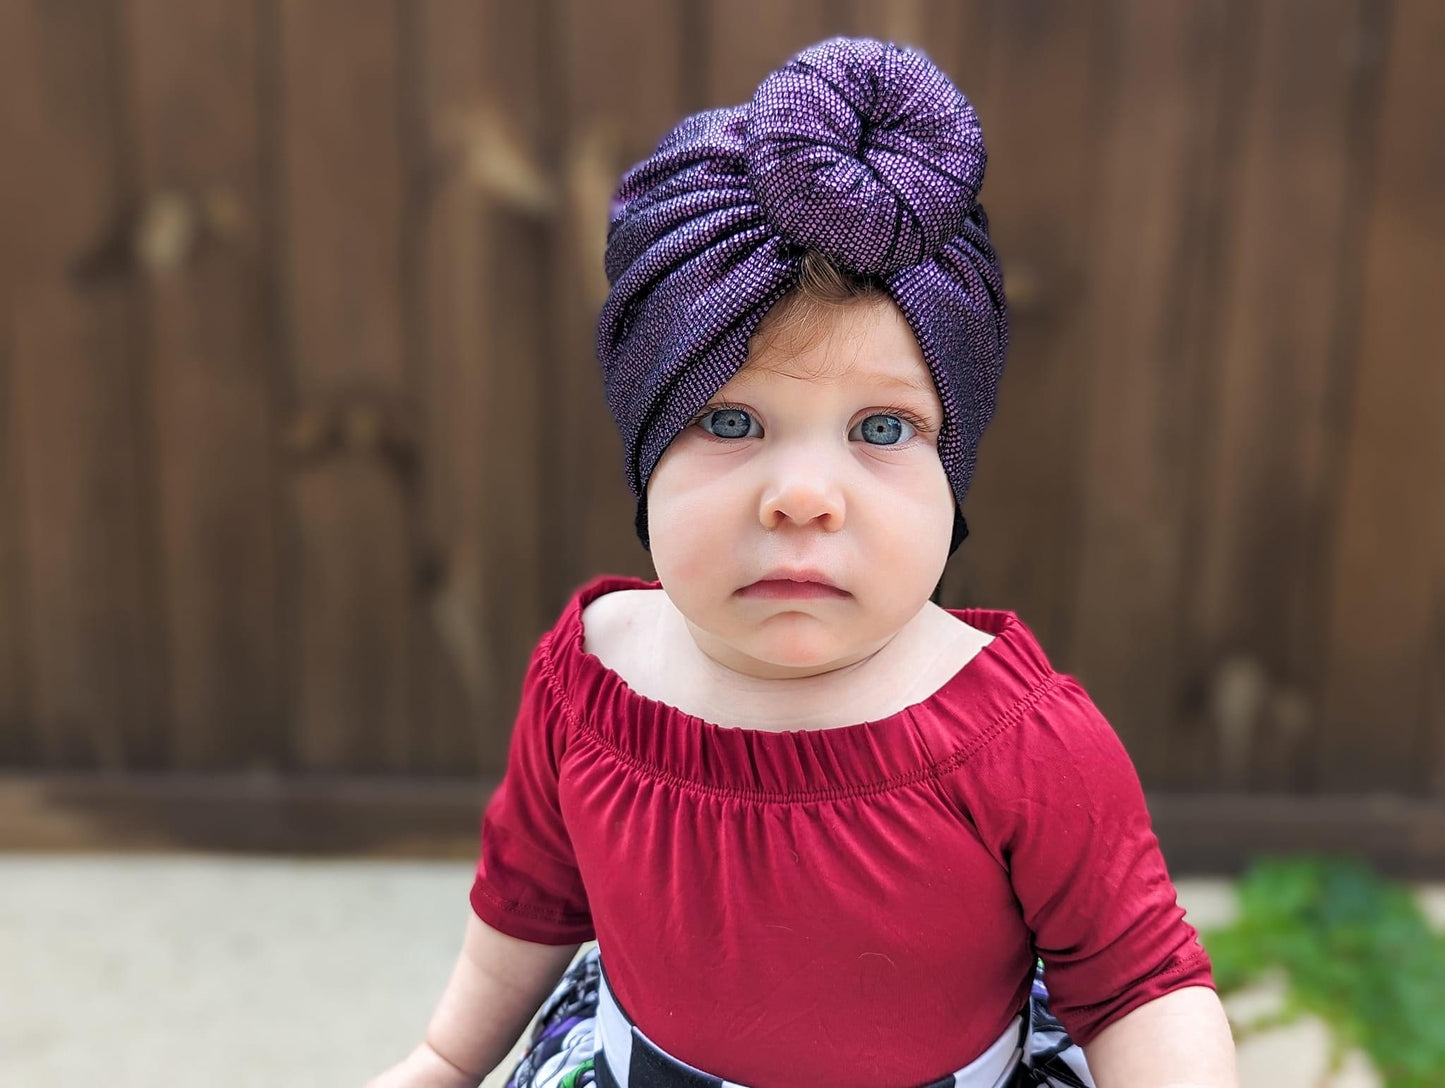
(860, 150)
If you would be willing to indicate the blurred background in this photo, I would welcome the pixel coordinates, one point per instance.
(303, 444)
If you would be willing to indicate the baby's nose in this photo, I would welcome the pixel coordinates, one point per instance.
(803, 488)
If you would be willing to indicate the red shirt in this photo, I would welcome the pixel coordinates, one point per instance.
(853, 906)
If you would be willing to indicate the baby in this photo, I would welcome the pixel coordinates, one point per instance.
(824, 831)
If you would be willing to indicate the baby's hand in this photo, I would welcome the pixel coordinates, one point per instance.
(424, 1068)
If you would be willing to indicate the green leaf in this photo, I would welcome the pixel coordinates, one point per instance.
(1356, 951)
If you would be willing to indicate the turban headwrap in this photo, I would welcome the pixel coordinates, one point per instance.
(860, 150)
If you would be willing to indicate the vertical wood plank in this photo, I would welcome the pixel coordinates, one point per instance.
(1256, 607)
(458, 659)
(1150, 207)
(622, 90)
(518, 231)
(1384, 714)
(194, 119)
(18, 743)
(485, 232)
(956, 34)
(747, 39)
(77, 440)
(343, 189)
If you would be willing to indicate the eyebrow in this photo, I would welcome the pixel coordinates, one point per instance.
(918, 385)
(889, 381)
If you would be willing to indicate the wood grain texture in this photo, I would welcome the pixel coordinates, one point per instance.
(458, 657)
(78, 440)
(194, 112)
(303, 440)
(744, 40)
(1384, 714)
(395, 816)
(19, 745)
(954, 33)
(484, 230)
(1224, 832)
(1255, 549)
(1147, 300)
(342, 186)
(17, 740)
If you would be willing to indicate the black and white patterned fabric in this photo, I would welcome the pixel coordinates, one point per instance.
(583, 1039)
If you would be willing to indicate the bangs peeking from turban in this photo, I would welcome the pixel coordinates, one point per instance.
(862, 151)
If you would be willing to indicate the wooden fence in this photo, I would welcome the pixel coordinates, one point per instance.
(302, 442)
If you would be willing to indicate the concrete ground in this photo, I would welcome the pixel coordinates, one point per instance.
(171, 971)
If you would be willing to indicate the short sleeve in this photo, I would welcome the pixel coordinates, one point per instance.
(527, 883)
(1056, 797)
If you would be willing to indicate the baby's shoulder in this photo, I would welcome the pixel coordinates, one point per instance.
(611, 621)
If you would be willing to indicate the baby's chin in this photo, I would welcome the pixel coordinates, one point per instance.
(794, 644)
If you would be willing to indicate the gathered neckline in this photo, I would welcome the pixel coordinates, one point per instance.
(940, 730)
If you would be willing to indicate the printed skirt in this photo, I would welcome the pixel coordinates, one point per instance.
(583, 1039)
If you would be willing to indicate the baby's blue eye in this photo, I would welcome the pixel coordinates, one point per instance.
(884, 430)
(728, 423)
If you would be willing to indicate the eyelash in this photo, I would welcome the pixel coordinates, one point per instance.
(919, 425)
(902, 413)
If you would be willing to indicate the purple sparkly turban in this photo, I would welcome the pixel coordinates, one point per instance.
(862, 151)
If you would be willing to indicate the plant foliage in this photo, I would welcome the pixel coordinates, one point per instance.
(1356, 951)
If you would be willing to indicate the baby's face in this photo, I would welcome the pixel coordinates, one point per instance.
(819, 456)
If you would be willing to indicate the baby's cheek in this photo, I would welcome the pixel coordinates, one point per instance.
(917, 500)
(684, 545)
(685, 568)
(913, 543)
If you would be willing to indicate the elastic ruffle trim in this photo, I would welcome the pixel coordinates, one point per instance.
(931, 737)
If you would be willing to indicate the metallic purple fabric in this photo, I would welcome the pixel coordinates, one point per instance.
(861, 150)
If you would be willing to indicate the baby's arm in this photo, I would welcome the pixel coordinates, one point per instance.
(1180, 1040)
(497, 984)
